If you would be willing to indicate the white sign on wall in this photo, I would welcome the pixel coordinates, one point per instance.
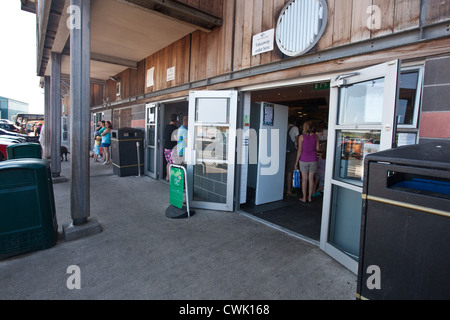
(150, 77)
(171, 74)
(263, 42)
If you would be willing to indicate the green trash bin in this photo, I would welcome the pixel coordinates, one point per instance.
(24, 150)
(27, 211)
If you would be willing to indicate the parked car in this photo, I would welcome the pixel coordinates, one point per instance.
(13, 139)
(8, 127)
(3, 145)
(14, 134)
(6, 121)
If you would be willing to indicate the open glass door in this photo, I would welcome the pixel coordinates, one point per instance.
(362, 121)
(151, 138)
(211, 149)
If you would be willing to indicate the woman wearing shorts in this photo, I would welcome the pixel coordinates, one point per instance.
(308, 145)
(106, 143)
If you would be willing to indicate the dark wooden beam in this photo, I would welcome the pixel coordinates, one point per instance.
(28, 6)
(42, 23)
(180, 11)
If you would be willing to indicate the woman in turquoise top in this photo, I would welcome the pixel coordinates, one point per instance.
(106, 142)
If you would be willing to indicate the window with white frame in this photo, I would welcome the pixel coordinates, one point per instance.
(408, 108)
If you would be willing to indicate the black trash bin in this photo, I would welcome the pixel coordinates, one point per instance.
(405, 229)
(27, 214)
(127, 152)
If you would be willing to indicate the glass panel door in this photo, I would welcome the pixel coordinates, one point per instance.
(211, 149)
(362, 121)
(151, 138)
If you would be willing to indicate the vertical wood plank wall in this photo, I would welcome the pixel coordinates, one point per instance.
(212, 6)
(228, 48)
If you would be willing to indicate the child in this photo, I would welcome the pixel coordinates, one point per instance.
(97, 144)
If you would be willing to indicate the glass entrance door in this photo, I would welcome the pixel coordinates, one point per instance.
(362, 121)
(151, 138)
(211, 149)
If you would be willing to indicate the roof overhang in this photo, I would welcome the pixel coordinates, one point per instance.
(123, 32)
(28, 5)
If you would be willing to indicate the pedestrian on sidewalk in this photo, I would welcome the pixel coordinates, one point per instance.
(106, 142)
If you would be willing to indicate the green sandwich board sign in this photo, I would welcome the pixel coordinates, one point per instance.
(176, 187)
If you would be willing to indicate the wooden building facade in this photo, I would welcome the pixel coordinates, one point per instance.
(376, 72)
(222, 58)
(358, 33)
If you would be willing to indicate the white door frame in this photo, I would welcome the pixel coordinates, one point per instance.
(192, 155)
(154, 123)
(390, 72)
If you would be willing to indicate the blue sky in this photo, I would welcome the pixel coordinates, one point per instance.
(18, 76)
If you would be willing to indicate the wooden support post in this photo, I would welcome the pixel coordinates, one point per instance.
(80, 50)
(47, 132)
(55, 114)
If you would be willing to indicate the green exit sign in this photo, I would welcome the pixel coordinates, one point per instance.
(321, 86)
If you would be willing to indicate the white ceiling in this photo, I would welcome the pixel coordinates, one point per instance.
(122, 31)
(129, 32)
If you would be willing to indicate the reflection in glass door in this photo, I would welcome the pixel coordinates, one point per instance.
(151, 138)
(211, 149)
(362, 121)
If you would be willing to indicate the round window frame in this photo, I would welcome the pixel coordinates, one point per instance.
(316, 39)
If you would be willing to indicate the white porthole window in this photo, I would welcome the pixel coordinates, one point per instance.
(301, 25)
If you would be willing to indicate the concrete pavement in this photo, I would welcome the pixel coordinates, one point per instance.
(141, 254)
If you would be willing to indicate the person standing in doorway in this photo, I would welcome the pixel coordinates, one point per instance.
(182, 139)
(170, 142)
(291, 153)
(308, 146)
